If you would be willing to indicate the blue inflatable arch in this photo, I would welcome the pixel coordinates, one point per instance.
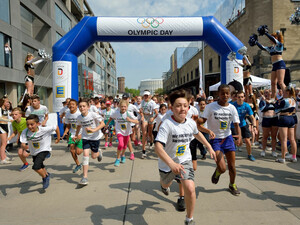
(139, 29)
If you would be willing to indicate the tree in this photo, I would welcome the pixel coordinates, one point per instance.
(133, 92)
(159, 91)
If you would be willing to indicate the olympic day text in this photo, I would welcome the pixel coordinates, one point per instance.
(150, 32)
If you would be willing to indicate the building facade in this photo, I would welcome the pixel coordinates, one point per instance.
(151, 85)
(242, 21)
(29, 25)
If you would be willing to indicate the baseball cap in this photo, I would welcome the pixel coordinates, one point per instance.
(125, 95)
(146, 93)
(210, 98)
(107, 103)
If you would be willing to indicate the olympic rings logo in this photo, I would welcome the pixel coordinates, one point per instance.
(147, 22)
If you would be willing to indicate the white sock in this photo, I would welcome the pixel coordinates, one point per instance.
(189, 219)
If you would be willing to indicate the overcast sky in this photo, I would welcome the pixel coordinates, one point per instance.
(139, 61)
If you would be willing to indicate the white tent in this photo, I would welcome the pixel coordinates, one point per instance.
(256, 82)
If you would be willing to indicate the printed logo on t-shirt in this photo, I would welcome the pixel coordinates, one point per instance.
(180, 150)
(123, 126)
(36, 145)
(223, 125)
(74, 126)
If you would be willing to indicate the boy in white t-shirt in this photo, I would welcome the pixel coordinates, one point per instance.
(71, 125)
(40, 110)
(172, 147)
(91, 124)
(38, 139)
(219, 116)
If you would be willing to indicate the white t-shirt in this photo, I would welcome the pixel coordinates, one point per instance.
(200, 115)
(91, 120)
(176, 137)
(132, 108)
(39, 141)
(159, 119)
(122, 126)
(94, 109)
(72, 119)
(219, 118)
(192, 112)
(40, 112)
(148, 107)
(106, 114)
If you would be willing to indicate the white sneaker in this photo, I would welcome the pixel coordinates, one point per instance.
(256, 143)
(268, 148)
(280, 160)
(263, 154)
(293, 160)
(5, 161)
(274, 154)
(288, 156)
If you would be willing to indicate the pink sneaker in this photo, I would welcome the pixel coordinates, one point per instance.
(135, 142)
(106, 144)
(110, 144)
(131, 156)
(139, 143)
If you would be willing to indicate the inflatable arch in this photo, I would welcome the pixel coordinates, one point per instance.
(139, 29)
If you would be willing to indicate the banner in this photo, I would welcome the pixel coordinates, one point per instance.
(149, 26)
(62, 71)
(234, 71)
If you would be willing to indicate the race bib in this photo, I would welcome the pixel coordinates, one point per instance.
(223, 125)
(180, 150)
(123, 126)
(73, 125)
(36, 145)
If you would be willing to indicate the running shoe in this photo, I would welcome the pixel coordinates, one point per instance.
(294, 160)
(191, 222)
(166, 191)
(251, 158)
(84, 181)
(5, 161)
(123, 159)
(180, 204)
(290, 158)
(106, 144)
(131, 156)
(274, 154)
(280, 160)
(215, 178)
(144, 155)
(263, 153)
(203, 157)
(110, 144)
(46, 181)
(117, 163)
(139, 143)
(100, 155)
(24, 167)
(233, 189)
(136, 143)
(78, 167)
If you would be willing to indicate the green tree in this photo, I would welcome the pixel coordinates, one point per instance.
(159, 91)
(133, 92)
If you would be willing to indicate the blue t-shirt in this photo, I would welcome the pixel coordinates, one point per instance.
(243, 110)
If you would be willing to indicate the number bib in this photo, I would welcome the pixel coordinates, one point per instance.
(123, 126)
(36, 145)
(180, 150)
(223, 125)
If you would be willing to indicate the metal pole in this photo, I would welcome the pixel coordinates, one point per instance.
(203, 67)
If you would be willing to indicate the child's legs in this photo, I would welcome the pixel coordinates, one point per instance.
(266, 134)
(150, 129)
(38, 163)
(230, 156)
(221, 165)
(121, 145)
(280, 78)
(106, 137)
(73, 153)
(138, 131)
(3, 138)
(127, 142)
(274, 132)
(85, 161)
(293, 143)
(23, 155)
(283, 131)
(273, 84)
(144, 130)
(189, 197)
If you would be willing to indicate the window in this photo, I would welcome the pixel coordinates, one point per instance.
(61, 19)
(81, 59)
(58, 36)
(197, 72)
(34, 27)
(5, 11)
(187, 77)
(98, 69)
(2, 89)
(103, 62)
(192, 76)
(183, 79)
(210, 66)
(5, 50)
(98, 56)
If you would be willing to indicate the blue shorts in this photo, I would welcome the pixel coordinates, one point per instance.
(296, 118)
(286, 121)
(279, 65)
(91, 144)
(223, 144)
(269, 122)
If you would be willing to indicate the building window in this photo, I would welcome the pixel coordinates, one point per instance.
(98, 56)
(34, 27)
(197, 72)
(61, 19)
(5, 50)
(2, 89)
(181, 80)
(81, 59)
(210, 66)
(58, 36)
(5, 11)
(184, 79)
(98, 69)
(103, 62)
(192, 76)
(187, 77)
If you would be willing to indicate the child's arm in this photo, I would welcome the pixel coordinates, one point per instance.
(203, 140)
(57, 134)
(99, 127)
(12, 135)
(45, 120)
(205, 130)
(108, 122)
(239, 135)
(76, 134)
(66, 130)
(201, 120)
(175, 167)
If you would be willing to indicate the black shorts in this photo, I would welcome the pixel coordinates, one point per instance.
(286, 121)
(38, 160)
(3, 128)
(269, 122)
(29, 78)
(244, 130)
(295, 118)
(91, 144)
(247, 81)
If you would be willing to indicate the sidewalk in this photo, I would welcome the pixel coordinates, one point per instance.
(130, 194)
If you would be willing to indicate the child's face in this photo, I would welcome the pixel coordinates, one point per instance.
(163, 110)
(83, 108)
(224, 94)
(36, 103)
(202, 105)
(123, 107)
(32, 125)
(72, 106)
(16, 115)
(180, 108)
(155, 99)
(240, 98)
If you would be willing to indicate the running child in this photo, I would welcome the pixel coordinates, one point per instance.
(106, 113)
(40, 110)
(123, 119)
(38, 139)
(91, 124)
(172, 147)
(71, 126)
(219, 116)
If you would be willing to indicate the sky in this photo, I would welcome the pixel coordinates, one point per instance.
(145, 60)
